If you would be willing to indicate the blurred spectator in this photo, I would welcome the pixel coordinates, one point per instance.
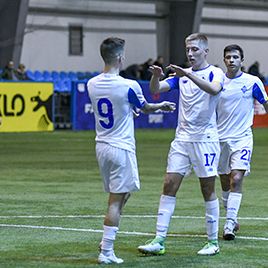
(21, 72)
(145, 72)
(160, 62)
(9, 72)
(132, 72)
(254, 70)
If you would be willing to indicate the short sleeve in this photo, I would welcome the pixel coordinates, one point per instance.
(173, 82)
(216, 75)
(259, 93)
(135, 95)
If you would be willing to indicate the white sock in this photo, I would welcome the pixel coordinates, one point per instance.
(212, 219)
(165, 211)
(224, 198)
(233, 205)
(108, 238)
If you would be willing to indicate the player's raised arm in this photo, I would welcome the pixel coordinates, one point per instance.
(212, 88)
(157, 86)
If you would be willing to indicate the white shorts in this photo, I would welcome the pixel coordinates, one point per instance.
(235, 155)
(118, 168)
(202, 156)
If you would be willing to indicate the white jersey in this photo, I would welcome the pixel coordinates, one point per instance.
(235, 109)
(113, 99)
(197, 117)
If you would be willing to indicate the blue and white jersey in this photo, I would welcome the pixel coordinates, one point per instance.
(113, 98)
(235, 109)
(197, 117)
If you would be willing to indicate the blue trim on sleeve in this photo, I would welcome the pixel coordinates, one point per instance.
(133, 99)
(173, 82)
(257, 94)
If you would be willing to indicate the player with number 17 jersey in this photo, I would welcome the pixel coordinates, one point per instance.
(113, 98)
(197, 117)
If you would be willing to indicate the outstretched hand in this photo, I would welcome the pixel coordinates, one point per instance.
(168, 106)
(156, 71)
(179, 71)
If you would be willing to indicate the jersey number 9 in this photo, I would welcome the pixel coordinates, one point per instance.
(105, 108)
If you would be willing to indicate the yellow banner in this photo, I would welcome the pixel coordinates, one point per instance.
(26, 106)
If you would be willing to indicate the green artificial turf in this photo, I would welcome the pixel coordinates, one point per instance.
(52, 205)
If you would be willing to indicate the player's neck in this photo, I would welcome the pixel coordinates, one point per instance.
(111, 69)
(201, 66)
(232, 75)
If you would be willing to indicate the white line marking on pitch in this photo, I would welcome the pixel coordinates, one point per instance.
(120, 232)
(124, 216)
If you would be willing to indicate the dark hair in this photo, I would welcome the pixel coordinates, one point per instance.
(233, 47)
(111, 48)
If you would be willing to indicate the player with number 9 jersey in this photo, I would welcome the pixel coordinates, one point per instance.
(114, 98)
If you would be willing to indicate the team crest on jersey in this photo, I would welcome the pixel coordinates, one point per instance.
(244, 89)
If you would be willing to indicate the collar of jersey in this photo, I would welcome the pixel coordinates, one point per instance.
(235, 76)
(201, 69)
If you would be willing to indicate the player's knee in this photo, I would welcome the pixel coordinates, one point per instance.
(208, 191)
(209, 194)
(236, 181)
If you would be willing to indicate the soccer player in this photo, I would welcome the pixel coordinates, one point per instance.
(113, 99)
(196, 141)
(235, 113)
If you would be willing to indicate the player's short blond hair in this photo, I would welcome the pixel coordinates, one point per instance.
(202, 38)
